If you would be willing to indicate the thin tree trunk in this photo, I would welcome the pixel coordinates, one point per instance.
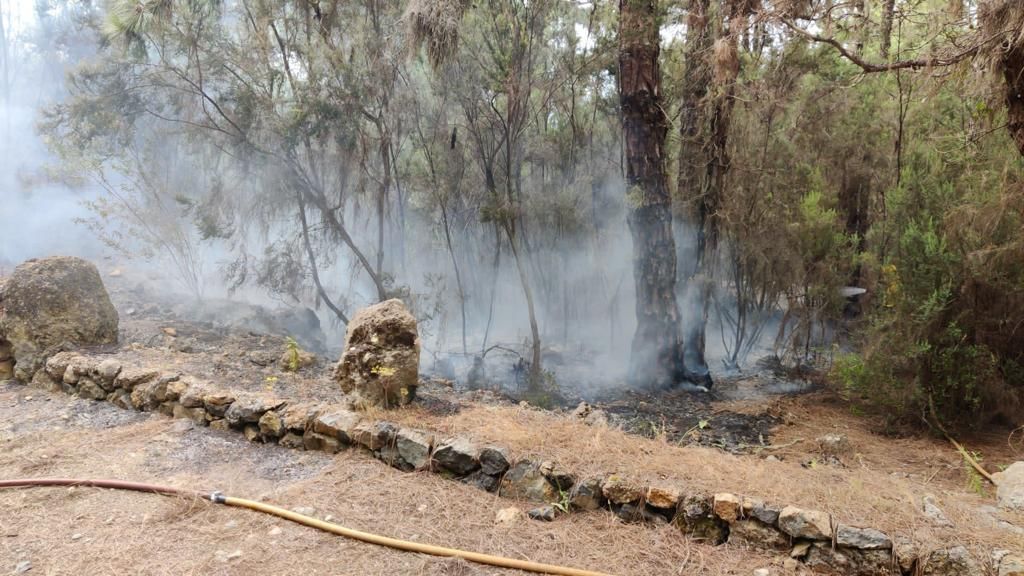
(657, 344)
(888, 12)
(1013, 72)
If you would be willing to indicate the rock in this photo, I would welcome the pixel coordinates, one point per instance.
(637, 512)
(44, 381)
(315, 441)
(494, 460)
(762, 572)
(413, 447)
(271, 425)
(275, 531)
(7, 369)
(862, 538)
(251, 432)
(90, 389)
(292, 440)
(105, 373)
(666, 497)
(790, 565)
(525, 481)
(757, 534)
(544, 513)
(22, 567)
(582, 410)
(933, 512)
(587, 495)
(835, 445)
(508, 515)
(809, 524)
(78, 367)
(800, 549)
(1011, 565)
(373, 435)
(561, 478)
(619, 490)
(57, 364)
(380, 363)
(192, 396)
(956, 561)
(217, 403)
(1010, 487)
(337, 423)
(458, 456)
(726, 506)
(761, 511)
(695, 518)
(53, 302)
(484, 482)
(174, 390)
(298, 417)
(148, 396)
(297, 360)
(906, 553)
(128, 378)
(219, 424)
(849, 561)
(197, 415)
(249, 408)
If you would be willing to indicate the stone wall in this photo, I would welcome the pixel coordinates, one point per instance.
(807, 538)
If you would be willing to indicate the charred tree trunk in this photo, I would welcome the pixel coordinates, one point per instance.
(693, 162)
(656, 350)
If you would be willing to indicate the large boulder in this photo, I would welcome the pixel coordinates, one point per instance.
(380, 364)
(49, 303)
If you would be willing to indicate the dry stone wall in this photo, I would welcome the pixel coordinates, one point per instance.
(806, 537)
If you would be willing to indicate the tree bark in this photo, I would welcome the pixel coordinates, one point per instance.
(888, 10)
(1013, 72)
(656, 350)
(693, 163)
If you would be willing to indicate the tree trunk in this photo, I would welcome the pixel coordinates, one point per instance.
(888, 10)
(656, 350)
(1013, 72)
(693, 163)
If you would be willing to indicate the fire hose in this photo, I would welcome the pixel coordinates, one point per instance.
(219, 498)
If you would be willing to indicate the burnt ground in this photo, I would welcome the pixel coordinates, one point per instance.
(229, 343)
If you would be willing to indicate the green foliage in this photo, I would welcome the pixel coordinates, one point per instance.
(292, 352)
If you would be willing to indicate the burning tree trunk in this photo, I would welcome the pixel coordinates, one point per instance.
(656, 349)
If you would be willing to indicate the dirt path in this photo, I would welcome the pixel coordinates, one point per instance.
(89, 531)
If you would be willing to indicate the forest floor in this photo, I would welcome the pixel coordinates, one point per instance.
(756, 435)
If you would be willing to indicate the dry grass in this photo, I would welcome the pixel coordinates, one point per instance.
(129, 533)
(880, 486)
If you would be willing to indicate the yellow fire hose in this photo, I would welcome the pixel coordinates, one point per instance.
(218, 498)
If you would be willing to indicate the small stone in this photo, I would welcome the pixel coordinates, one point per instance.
(508, 515)
(906, 553)
(458, 456)
(933, 512)
(251, 432)
(298, 417)
(726, 506)
(485, 482)
(305, 511)
(849, 561)
(582, 410)
(761, 511)
(337, 423)
(587, 495)
(524, 481)
(217, 403)
(862, 538)
(1010, 487)
(561, 478)
(544, 513)
(292, 440)
(772, 458)
(619, 490)
(956, 561)
(809, 524)
(757, 534)
(373, 435)
(275, 531)
(762, 572)
(219, 424)
(835, 445)
(128, 378)
(666, 497)
(315, 441)
(413, 448)
(271, 425)
(170, 331)
(106, 371)
(494, 460)
(790, 564)
(800, 550)
(249, 408)
(76, 536)
(22, 567)
(695, 518)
